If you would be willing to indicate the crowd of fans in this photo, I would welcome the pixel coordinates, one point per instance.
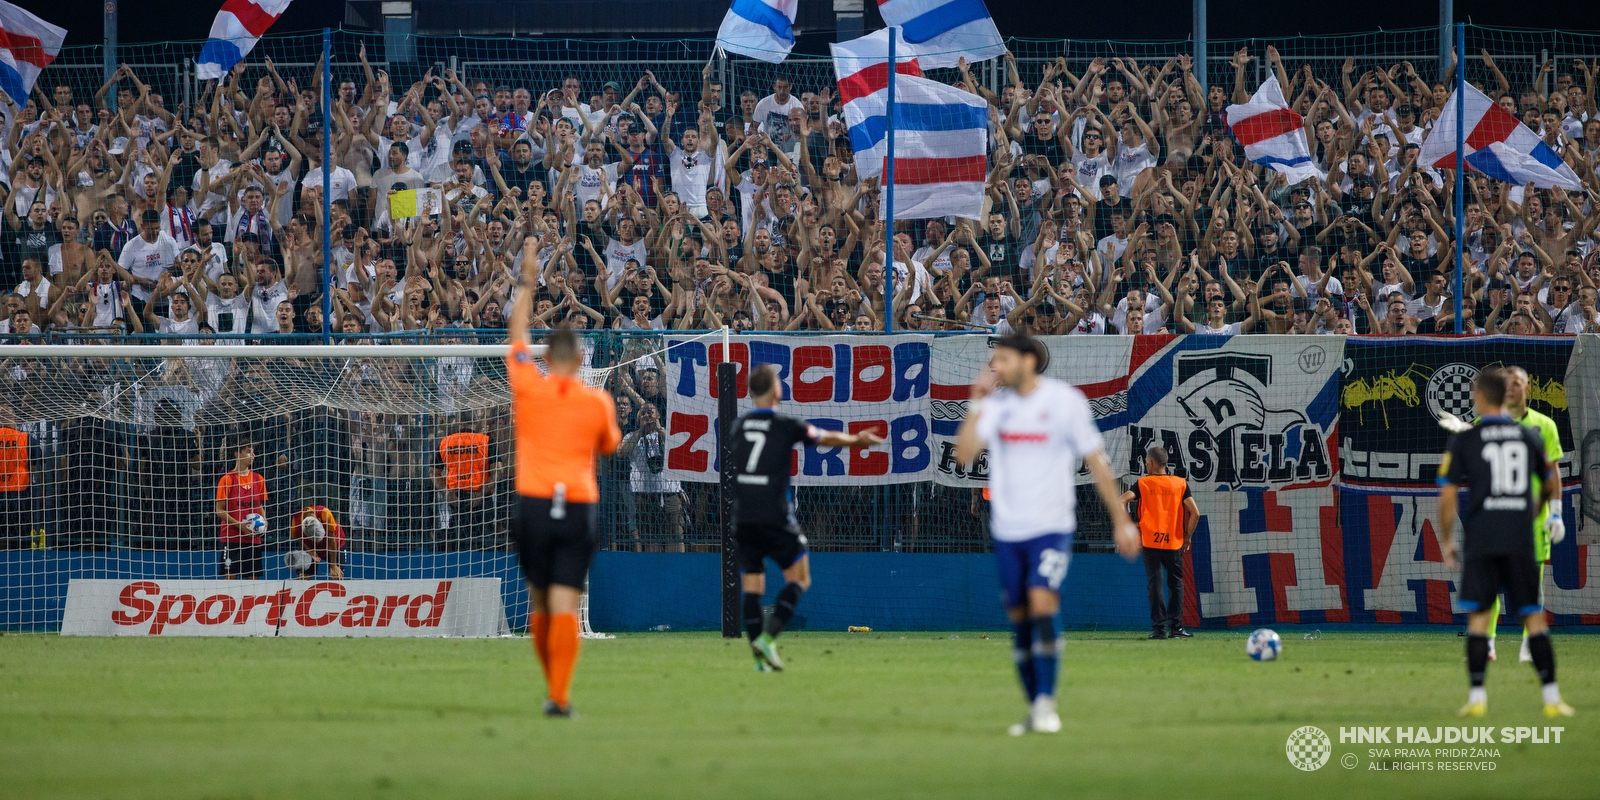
(1117, 202)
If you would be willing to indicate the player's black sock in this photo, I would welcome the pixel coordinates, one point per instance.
(1045, 655)
(1544, 657)
(783, 610)
(1022, 653)
(752, 615)
(1477, 657)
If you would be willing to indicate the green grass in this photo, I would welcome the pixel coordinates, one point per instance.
(683, 715)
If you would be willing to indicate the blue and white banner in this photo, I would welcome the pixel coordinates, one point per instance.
(760, 29)
(946, 31)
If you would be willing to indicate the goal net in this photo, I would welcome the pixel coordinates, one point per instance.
(402, 453)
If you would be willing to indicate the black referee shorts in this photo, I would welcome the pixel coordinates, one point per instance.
(554, 550)
(757, 542)
(1484, 577)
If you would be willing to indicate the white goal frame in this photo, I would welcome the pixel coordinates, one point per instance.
(232, 350)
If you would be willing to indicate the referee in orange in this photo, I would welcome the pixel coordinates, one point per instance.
(1167, 517)
(561, 426)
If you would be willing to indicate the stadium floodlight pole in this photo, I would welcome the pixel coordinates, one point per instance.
(1461, 164)
(1199, 57)
(888, 197)
(1447, 14)
(109, 40)
(327, 186)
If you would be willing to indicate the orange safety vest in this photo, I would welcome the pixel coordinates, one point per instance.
(1161, 512)
(13, 460)
(466, 460)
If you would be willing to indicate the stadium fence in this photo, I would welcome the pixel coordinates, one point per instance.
(1312, 459)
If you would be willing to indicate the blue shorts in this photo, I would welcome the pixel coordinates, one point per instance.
(1040, 561)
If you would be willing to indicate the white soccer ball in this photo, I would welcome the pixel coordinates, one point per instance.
(256, 523)
(1263, 645)
(312, 529)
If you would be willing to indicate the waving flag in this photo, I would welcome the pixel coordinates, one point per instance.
(234, 33)
(1273, 134)
(762, 29)
(945, 31)
(861, 67)
(1497, 144)
(940, 131)
(27, 44)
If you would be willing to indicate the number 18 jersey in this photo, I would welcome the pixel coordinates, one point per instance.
(763, 442)
(1496, 461)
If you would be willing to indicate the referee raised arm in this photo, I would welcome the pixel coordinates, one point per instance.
(561, 426)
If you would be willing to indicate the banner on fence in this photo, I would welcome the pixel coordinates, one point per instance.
(848, 383)
(154, 607)
(1396, 391)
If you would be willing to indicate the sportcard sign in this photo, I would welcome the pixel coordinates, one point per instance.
(153, 607)
(848, 383)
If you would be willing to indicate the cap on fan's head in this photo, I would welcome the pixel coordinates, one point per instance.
(1026, 345)
(118, 146)
(1107, 180)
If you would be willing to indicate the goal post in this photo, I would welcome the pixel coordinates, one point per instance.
(408, 449)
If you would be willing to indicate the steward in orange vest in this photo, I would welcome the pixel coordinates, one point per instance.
(1167, 517)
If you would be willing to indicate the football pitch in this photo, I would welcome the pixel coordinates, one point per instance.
(874, 715)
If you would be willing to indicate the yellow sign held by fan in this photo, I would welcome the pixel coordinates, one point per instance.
(415, 202)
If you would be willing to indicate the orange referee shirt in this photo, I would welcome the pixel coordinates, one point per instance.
(561, 425)
(1161, 511)
(466, 460)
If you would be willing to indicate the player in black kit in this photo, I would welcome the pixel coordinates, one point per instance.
(1494, 461)
(763, 508)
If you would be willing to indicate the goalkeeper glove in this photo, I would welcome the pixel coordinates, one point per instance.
(1554, 524)
(1452, 423)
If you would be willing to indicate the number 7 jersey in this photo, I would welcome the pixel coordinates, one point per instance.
(763, 444)
(1495, 462)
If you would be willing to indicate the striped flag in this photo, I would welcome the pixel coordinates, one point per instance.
(1497, 144)
(234, 33)
(27, 44)
(761, 29)
(945, 31)
(1273, 134)
(940, 131)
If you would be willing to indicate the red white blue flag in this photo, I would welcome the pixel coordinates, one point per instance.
(940, 132)
(1273, 134)
(27, 44)
(1496, 144)
(234, 33)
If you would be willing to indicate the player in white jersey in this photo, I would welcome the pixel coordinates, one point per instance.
(1036, 431)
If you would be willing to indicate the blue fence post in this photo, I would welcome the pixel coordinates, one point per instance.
(1461, 166)
(327, 187)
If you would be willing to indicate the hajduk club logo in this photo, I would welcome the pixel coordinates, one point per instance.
(1309, 748)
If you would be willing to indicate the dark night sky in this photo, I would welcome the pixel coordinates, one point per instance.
(1158, 19)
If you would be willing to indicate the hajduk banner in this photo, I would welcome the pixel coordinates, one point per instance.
(1250, 421)
(156, 607)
